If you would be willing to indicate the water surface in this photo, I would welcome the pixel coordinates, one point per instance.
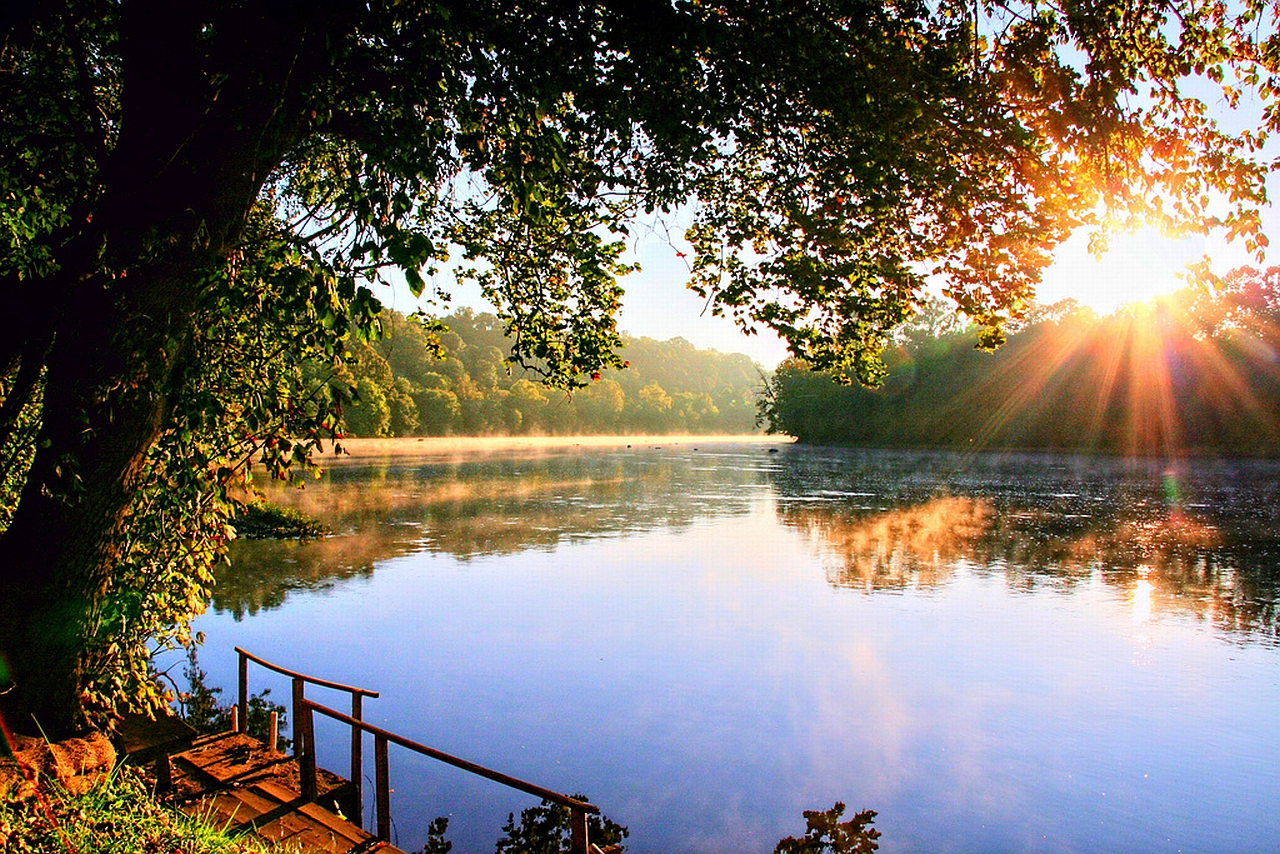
(996, 653)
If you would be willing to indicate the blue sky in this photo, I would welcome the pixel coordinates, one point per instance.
(658, 305)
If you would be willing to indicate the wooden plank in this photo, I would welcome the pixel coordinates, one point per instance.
(354, 835)
(357, 758)
(296, 831)
(278, 819)
(222, 809)
(306, 750)
(263, 802)
(143, 740)
(233, 780)
(231, 755)
(233, 758)
(382, 778)
(315, 812)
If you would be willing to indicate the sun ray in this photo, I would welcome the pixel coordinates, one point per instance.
(1153, 418)
(1147, 380)
(1112, 361)
(1030, 375)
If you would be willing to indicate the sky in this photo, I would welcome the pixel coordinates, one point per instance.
(1137, 267)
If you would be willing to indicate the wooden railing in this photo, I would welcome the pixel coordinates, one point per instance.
(300, 681)
(304, 733)
(304, 750)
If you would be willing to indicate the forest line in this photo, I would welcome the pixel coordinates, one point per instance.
(1197, 371)
(449, 378)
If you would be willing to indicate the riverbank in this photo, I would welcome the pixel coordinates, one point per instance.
(437, 446)
(119, 815)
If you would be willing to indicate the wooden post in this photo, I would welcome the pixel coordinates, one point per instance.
(578, 842)
(235, 718)
(304, 733)
(357, 758)
(273, 731)
(382, 783)
(298, 686)
(164, 774)
(243, 724)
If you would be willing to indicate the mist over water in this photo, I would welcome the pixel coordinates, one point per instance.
(995, 652)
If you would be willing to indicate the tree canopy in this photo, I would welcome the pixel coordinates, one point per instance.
(198, 197)
(415, 382)
(1189, 373)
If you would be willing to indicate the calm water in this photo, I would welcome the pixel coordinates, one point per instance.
(996, 653)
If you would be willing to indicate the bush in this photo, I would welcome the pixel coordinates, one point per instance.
(827, 834)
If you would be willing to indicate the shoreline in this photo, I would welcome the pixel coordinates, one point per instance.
(431, 446)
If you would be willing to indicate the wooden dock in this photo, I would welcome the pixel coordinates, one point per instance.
(237, 782)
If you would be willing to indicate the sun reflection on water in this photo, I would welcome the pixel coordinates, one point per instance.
(1142, 599)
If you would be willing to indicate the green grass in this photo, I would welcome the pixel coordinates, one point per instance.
(262, 520)
(118, 816)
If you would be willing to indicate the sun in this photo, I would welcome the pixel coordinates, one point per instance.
(1137, 267)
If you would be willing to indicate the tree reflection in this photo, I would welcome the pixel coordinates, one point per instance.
(1199, 538)
(483, 506)
(1212, 565)
(915, 546)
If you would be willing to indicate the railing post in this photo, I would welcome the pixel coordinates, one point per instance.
(298, 687)
(382, 782)
(357, 757)
(243, 705)
(305, 733)
(273, 731)
(578, 841)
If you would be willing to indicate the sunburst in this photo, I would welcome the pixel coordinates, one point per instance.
(1137, 267)
(1145, 380)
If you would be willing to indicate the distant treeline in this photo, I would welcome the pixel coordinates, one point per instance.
(1198, 371)
(419, 382)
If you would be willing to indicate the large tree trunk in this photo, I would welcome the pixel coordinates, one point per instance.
(190, 162)
(62, 544)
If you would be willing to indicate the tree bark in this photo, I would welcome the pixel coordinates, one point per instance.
(192, 157)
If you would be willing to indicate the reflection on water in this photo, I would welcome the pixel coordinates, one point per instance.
(996, 653)
(1123, 521)
(880, 521)
(914, 546)
(490, 505)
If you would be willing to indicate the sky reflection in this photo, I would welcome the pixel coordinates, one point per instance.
(1030, 655)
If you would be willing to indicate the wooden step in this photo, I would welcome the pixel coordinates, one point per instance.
(236, 759)
(234, 781)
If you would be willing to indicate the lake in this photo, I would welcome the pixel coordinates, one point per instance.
(1027, 653)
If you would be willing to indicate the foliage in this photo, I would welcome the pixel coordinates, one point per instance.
(200, 707)
(183, 513)
(118, 816)
(436, 843)
(178, 523)
(262, 520)
(198, 199)
(454, 380)
(546, 829)
(1191, 372)
(17, 450)
(827, 834)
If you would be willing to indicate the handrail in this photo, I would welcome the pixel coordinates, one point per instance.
(292, 674)
(307, 767)
(465, 765)
(299, 682)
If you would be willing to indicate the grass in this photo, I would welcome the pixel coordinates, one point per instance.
(262, 520)
(118, 816)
